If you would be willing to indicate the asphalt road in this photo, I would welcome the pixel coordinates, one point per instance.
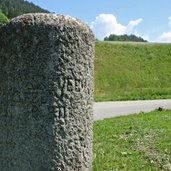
(111, 109)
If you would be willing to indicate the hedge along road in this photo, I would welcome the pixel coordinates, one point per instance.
(117, 108)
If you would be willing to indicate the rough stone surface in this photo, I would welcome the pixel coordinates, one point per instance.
(46, 94)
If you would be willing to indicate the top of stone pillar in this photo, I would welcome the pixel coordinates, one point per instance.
(44, 19)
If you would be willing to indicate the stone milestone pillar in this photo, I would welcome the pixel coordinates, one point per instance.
(46, 94)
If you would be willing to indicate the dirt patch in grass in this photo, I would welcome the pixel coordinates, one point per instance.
(134, 142)
(146, 144)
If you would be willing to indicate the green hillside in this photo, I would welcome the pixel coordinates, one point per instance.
(132, 71)
(13, 8)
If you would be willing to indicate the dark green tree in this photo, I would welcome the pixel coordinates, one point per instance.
(13, 8)
(125, 37)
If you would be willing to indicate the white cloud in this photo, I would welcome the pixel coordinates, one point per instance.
(106, 24)
(134, 23)
(166, 36)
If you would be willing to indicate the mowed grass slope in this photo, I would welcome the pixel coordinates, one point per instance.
(131, 71)
(136, 142)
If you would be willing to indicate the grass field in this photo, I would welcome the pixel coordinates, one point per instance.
(139, 142)
(131, 71)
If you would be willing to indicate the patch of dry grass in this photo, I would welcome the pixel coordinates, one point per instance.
(134, 142)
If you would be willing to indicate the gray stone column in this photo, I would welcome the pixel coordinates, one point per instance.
(46, 94)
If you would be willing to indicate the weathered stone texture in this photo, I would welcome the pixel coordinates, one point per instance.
(46, 94)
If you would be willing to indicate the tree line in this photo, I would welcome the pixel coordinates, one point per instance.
(125, 37)
(12, 8)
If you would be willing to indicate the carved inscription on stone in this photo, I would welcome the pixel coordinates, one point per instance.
(46, 94)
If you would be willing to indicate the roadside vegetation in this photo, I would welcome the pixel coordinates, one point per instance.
(135, 142)
(132, 71)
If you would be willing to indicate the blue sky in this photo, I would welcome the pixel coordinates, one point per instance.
(150, 19)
